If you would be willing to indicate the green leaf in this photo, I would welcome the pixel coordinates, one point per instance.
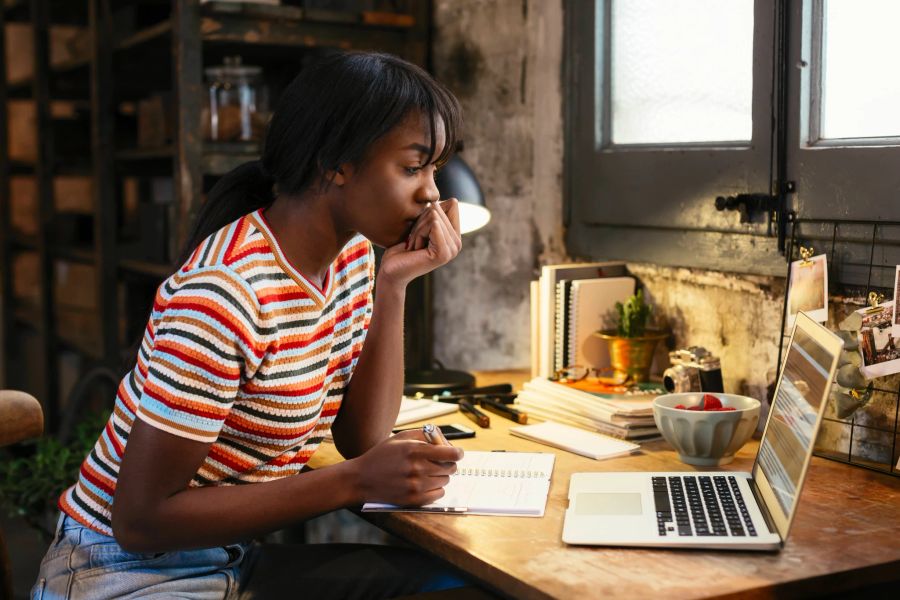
(633, 316)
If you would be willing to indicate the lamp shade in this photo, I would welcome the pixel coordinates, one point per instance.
(456, 180)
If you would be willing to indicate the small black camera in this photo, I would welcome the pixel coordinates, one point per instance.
(693, 369)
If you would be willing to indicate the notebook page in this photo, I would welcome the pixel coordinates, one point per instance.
(494, 483)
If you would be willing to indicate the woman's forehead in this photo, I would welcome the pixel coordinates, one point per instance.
(414, 132)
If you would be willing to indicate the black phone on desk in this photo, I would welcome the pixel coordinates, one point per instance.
(451, 432)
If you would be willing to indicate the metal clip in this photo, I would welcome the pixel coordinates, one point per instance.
(805, 255)
(874, 300)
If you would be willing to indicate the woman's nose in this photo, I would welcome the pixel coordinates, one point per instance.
(430, 191)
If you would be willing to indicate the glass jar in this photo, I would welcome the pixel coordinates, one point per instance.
(238, 102)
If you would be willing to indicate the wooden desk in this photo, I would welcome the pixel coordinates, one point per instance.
(846, 535)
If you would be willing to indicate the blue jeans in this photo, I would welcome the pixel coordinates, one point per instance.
(84, 564)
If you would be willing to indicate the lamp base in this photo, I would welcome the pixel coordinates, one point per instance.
(437, 382)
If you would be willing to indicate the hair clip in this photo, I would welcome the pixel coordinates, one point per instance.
(875, 299)
(805, 255)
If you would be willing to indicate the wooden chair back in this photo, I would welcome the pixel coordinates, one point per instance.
(21, 418)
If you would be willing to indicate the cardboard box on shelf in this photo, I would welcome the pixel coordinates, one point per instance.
(26, 284)
(155, 120)
(22, 130)
(79, 327)
(67, 43)
(71, 194)
(22, 119)
(23, 211)
(75, 285)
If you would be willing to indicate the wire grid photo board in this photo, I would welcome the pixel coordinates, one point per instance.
(862, 257)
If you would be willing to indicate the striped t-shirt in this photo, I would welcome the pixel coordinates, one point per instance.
(241, 351)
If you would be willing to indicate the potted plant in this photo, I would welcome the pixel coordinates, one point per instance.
(631, 343)
(33, 474)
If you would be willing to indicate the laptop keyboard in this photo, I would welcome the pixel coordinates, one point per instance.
(703, 505)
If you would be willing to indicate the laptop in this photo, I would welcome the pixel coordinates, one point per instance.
(719, 509)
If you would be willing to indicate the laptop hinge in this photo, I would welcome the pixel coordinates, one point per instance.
(762, 507)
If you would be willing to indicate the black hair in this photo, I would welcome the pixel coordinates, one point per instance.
(329, 115)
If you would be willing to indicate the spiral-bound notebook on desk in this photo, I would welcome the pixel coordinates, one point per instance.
(491, 483)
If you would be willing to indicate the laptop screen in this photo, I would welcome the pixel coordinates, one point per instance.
(790, 432)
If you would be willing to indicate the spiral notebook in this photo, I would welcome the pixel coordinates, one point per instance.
(585, 307)
(514, 484)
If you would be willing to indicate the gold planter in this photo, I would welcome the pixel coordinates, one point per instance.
(632, 357)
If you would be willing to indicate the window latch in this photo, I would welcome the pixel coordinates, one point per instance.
(748, 205)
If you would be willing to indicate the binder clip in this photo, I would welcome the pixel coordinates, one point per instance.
(874, 300)
(805, 255)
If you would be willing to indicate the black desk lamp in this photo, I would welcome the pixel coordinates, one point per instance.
(454, 180)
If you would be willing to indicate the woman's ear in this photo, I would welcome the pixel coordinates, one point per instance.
(341, 175)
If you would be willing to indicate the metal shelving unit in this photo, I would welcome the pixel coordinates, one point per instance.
(138, 48)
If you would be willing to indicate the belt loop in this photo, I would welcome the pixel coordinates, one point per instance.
(59, 528)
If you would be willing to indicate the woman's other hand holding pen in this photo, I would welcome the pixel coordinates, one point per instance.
(405, 470)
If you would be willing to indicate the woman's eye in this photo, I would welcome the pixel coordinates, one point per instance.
(412, 170)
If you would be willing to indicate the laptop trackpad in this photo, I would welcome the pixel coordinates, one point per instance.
(608, 503)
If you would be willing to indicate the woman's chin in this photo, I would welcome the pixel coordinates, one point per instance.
(385, 242)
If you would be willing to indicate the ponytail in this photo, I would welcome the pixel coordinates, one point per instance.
(241, 191)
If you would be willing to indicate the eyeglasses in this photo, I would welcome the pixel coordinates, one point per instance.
(575, 373)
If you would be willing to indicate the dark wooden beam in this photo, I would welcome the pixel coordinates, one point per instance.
(102, 150)
(48, 394)
(189, 92)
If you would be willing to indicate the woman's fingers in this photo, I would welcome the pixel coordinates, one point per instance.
(418, 236)
(436, 228)
(450, 208)
(445, 216)
(423, 230)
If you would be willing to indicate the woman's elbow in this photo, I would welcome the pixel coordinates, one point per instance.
(131, 532)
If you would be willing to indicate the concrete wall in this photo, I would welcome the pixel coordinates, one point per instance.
(502, 59)
(736, 317)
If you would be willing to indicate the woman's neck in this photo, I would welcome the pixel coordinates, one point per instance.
(307, 234)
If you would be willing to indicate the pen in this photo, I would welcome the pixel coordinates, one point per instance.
(504, 398)
(479, 418)
(504, 411)
(434, 435)
(499, 388)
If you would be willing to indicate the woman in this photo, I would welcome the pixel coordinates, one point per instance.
(266, 338)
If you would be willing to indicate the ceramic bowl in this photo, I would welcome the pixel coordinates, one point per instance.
(706, 438)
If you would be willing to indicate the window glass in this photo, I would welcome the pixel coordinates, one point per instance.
(860, 66)
(681, 71)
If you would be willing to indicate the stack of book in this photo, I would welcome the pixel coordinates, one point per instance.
(627, 416)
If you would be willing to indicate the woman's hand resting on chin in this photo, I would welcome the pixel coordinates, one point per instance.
(433, 241)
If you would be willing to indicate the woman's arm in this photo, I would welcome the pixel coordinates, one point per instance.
(155, 510)
(372, 400)
(371, 403)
